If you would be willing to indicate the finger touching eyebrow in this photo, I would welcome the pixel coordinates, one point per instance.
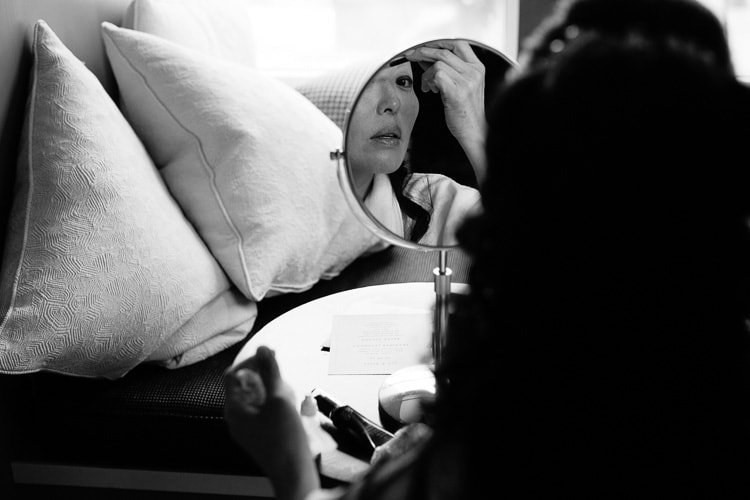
(431, 55)
(460, 47)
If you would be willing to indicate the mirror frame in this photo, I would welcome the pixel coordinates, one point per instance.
(346, 182)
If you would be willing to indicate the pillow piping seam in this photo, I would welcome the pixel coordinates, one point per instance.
(30, 192)
(206, 166)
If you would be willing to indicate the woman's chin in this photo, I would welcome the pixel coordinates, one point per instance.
(382, 161)
(388, 162)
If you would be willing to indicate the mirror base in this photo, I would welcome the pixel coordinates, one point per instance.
(403, 395)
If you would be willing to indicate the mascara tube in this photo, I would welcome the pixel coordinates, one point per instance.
(344, 417)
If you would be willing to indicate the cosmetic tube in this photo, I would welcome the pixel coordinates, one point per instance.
(368, 434)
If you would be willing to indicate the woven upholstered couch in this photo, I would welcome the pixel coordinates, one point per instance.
(156, 427)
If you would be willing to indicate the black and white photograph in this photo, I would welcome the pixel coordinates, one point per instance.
(382, 250)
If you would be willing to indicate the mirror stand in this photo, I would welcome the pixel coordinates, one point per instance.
(395, 131)
(403, 393)
(442, 293)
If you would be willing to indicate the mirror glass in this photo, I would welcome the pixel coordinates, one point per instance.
(414, 141)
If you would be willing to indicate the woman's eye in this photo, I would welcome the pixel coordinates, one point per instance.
(405, 82)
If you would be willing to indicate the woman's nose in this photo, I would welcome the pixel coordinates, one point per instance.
(389, 102)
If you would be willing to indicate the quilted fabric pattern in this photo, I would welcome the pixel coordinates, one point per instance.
(247, 158)
(102, 270)
(334, 93)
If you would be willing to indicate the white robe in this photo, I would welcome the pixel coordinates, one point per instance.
(447, 202)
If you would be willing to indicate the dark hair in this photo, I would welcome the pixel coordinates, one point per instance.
(685, 22)
(611, 277)
(433, 147)
(419, 216)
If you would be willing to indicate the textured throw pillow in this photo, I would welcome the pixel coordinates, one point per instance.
(246, 156)
(101, 269)
(219, 28)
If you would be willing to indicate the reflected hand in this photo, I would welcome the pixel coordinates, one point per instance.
(263, 419)
(452, 69)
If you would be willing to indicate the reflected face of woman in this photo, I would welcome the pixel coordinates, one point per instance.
(382, 122)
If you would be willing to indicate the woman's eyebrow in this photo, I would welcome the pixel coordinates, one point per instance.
(397, 61)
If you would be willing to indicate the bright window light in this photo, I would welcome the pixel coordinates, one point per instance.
(302, 38)
(735, 14)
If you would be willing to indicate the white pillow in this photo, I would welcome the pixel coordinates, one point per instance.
(246, 156)
(219, 28)
(101, 270)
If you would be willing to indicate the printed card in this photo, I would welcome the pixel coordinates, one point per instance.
(374, 344)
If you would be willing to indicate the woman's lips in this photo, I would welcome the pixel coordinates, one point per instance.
(387, 140)
(387, 137)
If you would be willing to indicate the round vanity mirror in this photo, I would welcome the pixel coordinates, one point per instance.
(414, 141)
(412, 164)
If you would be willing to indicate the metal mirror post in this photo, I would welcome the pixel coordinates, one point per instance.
(412, 164)
(442, 275)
